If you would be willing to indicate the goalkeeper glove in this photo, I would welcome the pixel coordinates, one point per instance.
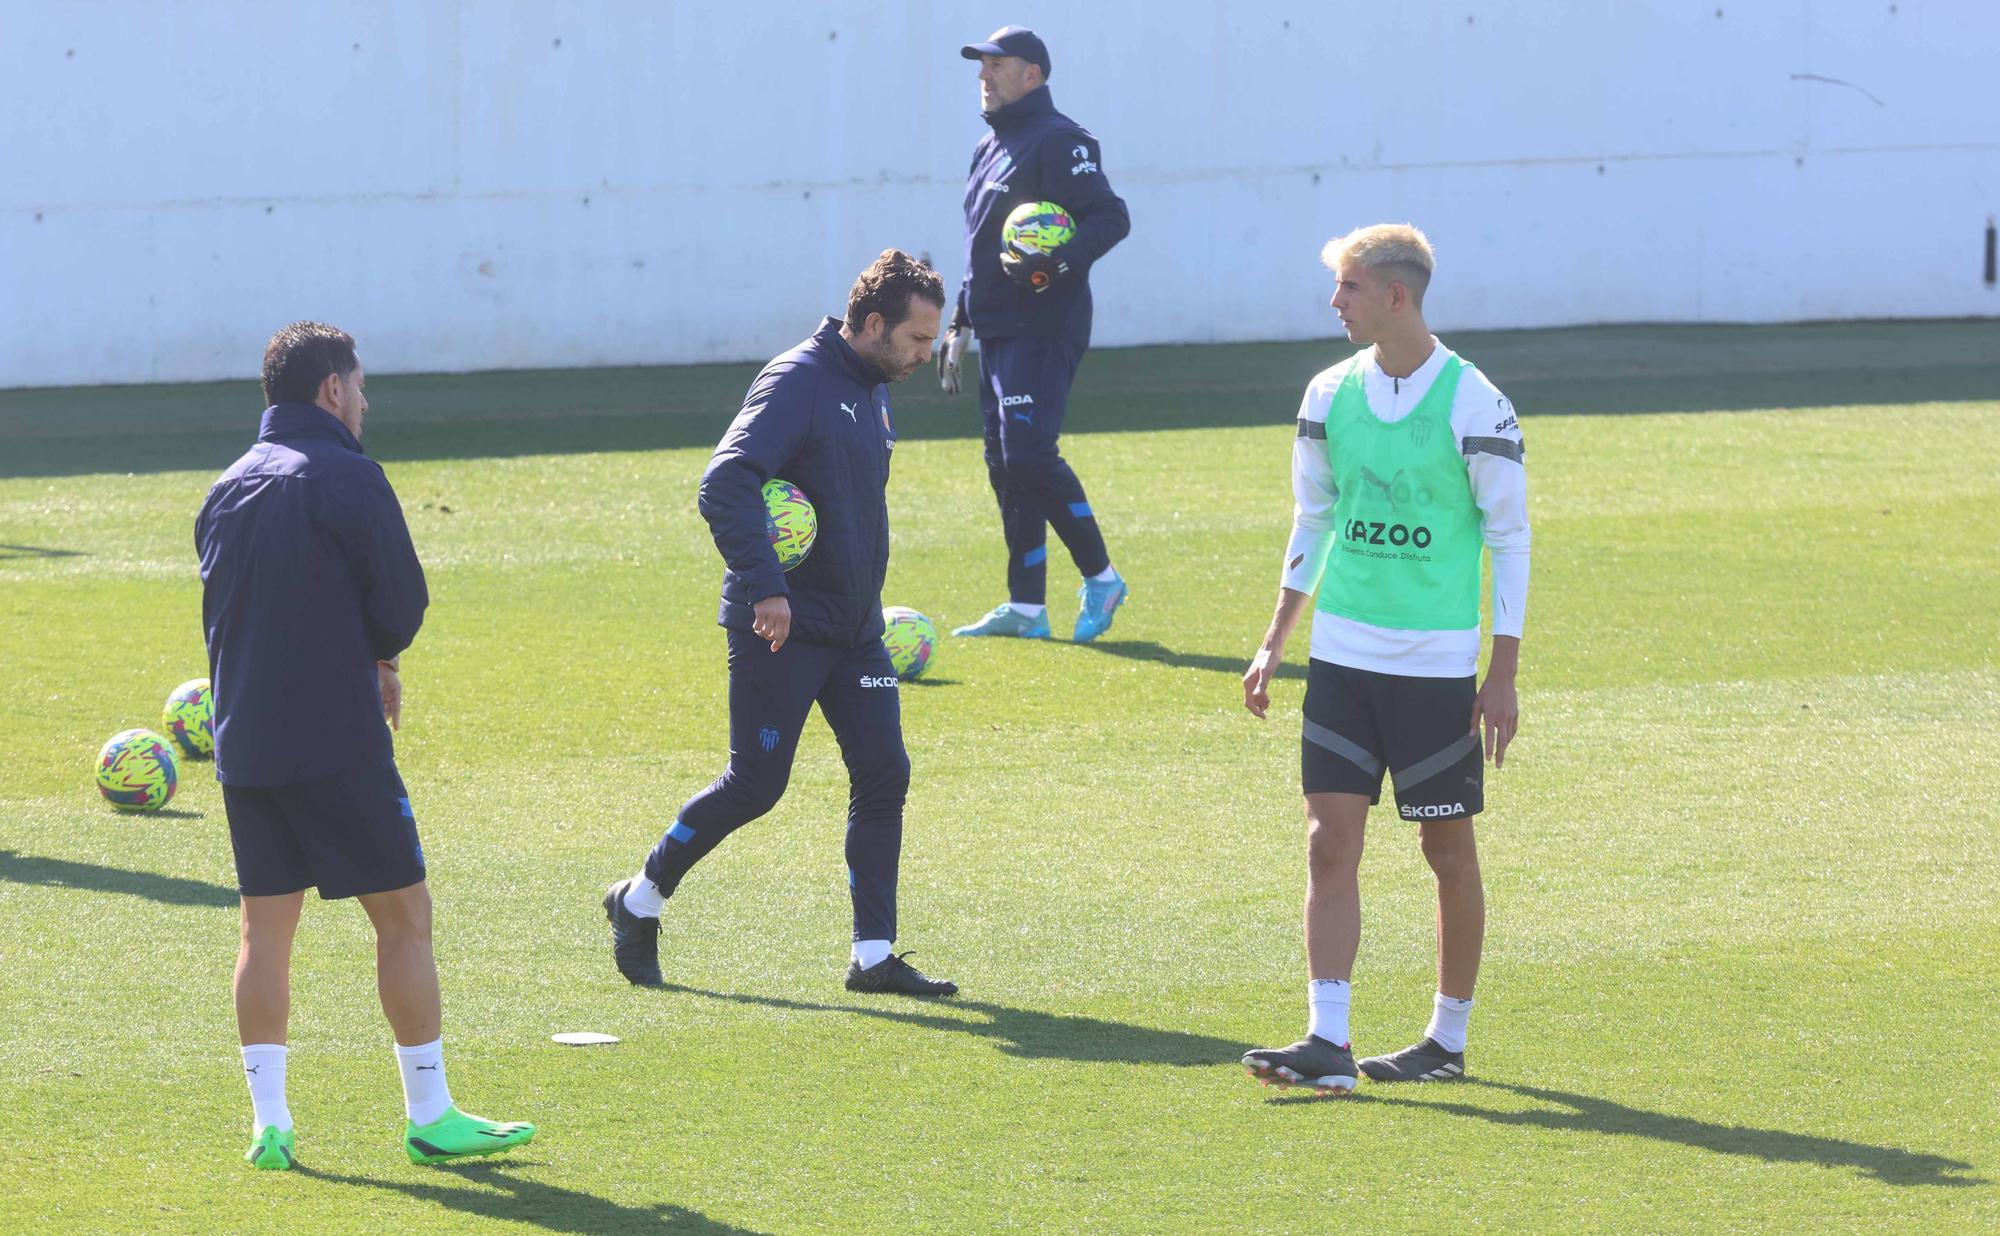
(950, 354)
(1035, 271)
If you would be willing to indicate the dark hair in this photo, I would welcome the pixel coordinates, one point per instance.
(300, 357)
(887, 286)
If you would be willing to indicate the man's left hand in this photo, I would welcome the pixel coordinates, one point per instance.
(1036, 271)
(951, 354)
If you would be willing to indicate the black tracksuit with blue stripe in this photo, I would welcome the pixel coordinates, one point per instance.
(817, 416)
(1030, 343)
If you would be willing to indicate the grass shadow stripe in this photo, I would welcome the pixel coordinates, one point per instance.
(38, 551)
(62, 431)
(1028, 1034)
(1589, 1114)
(1149, 650)
(17, 868)
(514, 1198)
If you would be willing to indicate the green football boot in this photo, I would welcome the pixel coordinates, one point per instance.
(272, 1151)
(456, 1135)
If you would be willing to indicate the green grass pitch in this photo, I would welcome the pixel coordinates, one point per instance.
(1744, 953)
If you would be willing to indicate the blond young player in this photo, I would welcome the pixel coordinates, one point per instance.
(1407, 463)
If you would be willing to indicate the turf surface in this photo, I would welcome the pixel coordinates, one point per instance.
(1740, 866)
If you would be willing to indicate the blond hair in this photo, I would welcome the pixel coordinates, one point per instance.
(1397, 250)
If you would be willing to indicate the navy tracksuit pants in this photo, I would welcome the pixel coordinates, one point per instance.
(1023, 394)
(770, 696)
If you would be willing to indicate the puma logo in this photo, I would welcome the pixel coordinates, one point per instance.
(1369, 476)
(849, 409)
(431, 1067)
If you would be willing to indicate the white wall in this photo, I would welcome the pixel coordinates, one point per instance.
(483, 183)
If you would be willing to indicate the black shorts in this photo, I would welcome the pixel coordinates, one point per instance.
(347, 834)
(1359, 722)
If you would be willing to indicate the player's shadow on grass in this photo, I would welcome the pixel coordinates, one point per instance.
(37, 551)
(61, 873)
(1026, 1033)
(1147, 650)
(1581, 1113)
(523, 1199)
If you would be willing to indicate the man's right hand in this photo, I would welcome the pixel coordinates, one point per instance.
(1257, 681)
(1264, 666)
(1037, 272)
(950, 355)
(773, 620)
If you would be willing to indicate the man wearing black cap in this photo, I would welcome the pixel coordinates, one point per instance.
(1031, 312)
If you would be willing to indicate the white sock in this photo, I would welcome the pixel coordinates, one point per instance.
(425, 1096)
(1105, 576)
(1022, 607)
(1329, 999)
(264, 1069)
(643, 897)
(1447, 1028)
(871, 953)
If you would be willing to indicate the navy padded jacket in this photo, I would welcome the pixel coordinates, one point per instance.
(817, 416)
(308, 578)
(1035, 154)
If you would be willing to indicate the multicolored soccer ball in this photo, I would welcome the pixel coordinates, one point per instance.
(910, 638)
(790, 519)
(136, 771)
(1037, 227)
(189, 718)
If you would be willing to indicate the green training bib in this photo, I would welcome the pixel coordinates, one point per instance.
(1406, 530)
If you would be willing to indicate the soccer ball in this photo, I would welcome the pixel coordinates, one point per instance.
(135, 771)
(1037, 227)
(790, 519)
(189, 718)
(910, 638)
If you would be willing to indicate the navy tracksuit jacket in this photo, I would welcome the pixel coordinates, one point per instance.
(817, 416)
(1030, 343)
(308, 578)
(1034, 153)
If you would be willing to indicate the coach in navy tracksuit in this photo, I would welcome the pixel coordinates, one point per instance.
(1032, 315)
(817, 416)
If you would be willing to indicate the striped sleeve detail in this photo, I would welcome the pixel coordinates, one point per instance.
(1505, 448)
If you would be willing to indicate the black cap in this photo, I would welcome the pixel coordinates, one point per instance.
(1012, 41)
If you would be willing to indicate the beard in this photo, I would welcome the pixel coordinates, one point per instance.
(884, 358)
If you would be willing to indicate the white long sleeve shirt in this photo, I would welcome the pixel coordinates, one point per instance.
(1489, 437)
